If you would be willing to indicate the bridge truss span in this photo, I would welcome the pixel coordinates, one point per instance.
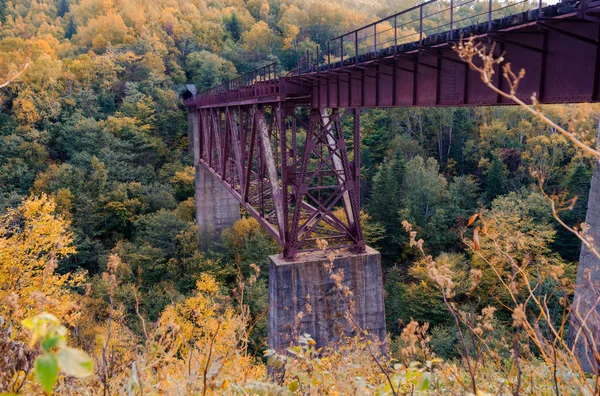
(288, 147)
(289, 167)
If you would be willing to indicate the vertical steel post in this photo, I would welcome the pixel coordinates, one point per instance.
(211, 127)
(356, 147)
(375, 39)
(236, 142)
(251, 153)
(280, 115)
(342, 51)
(356, 173)
(420, 26)
(452, 19)
(328, 55)
(490, 14)
(307, 61)
(226, 131)
(200, 130)
(395, 33)
(356, 47)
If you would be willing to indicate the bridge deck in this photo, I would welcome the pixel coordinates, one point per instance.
(554, 43)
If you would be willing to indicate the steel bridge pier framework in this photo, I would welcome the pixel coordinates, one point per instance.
(288, 166)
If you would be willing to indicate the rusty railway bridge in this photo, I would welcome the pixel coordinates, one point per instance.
(280, 144)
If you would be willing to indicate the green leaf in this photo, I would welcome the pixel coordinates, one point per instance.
(55, 340)
(424, 385)
(46, 371)
(75, 362)
(293, 386)
(49, 343)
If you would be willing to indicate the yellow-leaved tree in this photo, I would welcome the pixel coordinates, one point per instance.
(193, 348)
(33, 238)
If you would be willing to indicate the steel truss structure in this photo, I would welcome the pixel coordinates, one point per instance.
(285, 149)
(289, 168)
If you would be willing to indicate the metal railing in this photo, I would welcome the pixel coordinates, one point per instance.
(260, 82)
(412, 25)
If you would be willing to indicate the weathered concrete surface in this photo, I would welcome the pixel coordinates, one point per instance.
(216, 208)
(293, 286)
(587, 290)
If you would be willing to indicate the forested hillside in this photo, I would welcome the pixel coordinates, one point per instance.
(97, 211)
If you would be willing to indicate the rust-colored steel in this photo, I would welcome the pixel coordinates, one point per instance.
(293, 196)
(277, 144)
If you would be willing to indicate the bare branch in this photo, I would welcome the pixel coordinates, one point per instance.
(13, 78)
(470, 50)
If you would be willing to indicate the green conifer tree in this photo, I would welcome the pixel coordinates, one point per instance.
(71, 29)
(3, 10)
(62, 8)
(577, 185)
(399, 167)
(395, 301)
(384, 207)
(496, 179)
(233, 25)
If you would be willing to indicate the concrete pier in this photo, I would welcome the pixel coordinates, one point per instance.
(216, 208)
(303, 298)
(585, 302)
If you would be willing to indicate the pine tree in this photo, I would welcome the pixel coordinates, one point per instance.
(395, 301)
(399, 167)
(71, 29)
(576, 185)
(62, 8)
(3, 10)
(234, 27)
(367, 171)
(496, 179)
(383, 206)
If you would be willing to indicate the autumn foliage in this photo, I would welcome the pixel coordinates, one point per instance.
(468, 207)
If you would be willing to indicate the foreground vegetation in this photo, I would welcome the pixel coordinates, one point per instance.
(200, 344)
(97, 218)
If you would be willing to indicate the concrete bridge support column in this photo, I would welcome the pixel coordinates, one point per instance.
(303, 297)
(586, 302)
(216, 208)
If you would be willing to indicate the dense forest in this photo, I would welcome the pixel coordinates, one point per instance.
(97, 213)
